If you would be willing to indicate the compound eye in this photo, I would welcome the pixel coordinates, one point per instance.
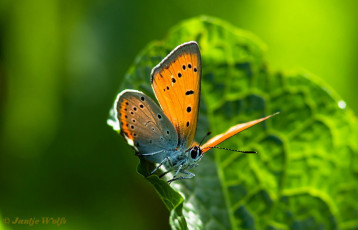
(193, 153)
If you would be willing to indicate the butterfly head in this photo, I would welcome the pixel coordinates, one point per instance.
(194, 154)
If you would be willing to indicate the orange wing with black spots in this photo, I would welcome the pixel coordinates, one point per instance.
(176, 83)
(231, 132)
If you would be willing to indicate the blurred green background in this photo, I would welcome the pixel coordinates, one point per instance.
(61, 63)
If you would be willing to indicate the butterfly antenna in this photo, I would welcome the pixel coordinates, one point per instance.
(208, 134)
(234, 150)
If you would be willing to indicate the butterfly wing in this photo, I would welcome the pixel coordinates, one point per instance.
(176, 84)
(229, 133)
(143, 123)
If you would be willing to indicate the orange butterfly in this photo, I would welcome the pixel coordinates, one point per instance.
(166, 135)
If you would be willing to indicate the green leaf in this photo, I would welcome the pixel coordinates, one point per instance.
(171, 198)
(305, 175)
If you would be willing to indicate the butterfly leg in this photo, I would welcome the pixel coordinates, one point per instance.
(190, 175)
(165, 173)
(191, 166)
(160, 164)
(178, 170)
(170, 165)
(176, 173)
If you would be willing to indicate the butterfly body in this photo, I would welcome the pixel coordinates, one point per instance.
(166, 135)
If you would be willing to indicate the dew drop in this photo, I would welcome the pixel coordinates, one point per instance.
(342, 104)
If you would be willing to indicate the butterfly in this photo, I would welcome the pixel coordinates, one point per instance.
(165, 135)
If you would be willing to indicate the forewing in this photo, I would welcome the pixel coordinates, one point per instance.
(229, 133)
(176, 83)
(143, 123)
